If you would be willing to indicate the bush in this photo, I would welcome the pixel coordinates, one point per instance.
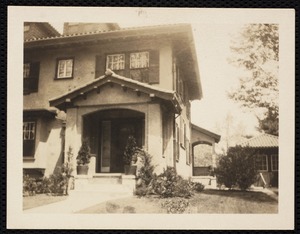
(84, 154)
(237, 168)
(56, 183)
(198, 187)
(175, 205)
(144, 173)
(169, 184)
(29, 185)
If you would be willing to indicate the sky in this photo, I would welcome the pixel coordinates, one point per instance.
(212, 42)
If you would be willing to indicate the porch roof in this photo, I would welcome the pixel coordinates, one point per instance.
(110, 77)
(196, 129)
(261, 141)
(42, 112)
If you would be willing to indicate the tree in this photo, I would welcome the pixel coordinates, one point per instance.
(237, 168)
(256, 50)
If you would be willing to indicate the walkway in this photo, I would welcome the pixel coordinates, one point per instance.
(77, 201)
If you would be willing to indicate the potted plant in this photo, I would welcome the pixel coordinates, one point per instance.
(129, 156)
(83, 158)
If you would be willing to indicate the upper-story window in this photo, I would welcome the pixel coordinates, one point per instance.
(65, 68)
(31, 77)
(139, 60)
(142, 66)
(115, 62)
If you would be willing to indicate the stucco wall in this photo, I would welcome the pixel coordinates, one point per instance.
(84, 67)
(48, 146)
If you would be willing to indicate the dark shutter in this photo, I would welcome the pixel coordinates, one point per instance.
(34, 76)
(100, 66)
(154, 67)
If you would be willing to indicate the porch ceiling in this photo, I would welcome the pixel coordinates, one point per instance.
(61, 102)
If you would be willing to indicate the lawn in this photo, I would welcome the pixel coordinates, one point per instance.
(208, 201)
(40, 200)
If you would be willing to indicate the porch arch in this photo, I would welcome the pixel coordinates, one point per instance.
(107, 131)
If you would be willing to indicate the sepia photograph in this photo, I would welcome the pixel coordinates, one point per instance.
(176, 122)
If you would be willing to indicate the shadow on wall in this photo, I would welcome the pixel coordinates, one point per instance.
(60, 159)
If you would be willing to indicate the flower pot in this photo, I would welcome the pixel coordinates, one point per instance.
(82, 169)
(129, 170)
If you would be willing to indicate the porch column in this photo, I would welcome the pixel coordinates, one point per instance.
(73, 134)
(154, 122)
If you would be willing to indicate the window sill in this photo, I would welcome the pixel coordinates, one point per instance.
(28, 159)
(63, 78)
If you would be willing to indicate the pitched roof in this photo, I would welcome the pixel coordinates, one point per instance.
(110, 77)
(262, 141)
(206, 132)
(182, 34)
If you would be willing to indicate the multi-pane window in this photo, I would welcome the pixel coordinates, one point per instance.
(141, 66)
(274, 162)
(31, 72)
(26, 70)
(64, 68)
(28, 130)
(261, 162)
(115, 62)
(139, 60)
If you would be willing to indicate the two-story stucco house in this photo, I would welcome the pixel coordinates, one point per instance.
(103, 83)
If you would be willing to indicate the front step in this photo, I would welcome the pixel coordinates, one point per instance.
(105, 183)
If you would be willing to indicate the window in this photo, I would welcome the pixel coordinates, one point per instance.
(115, 62)
(31, 72)
(261, 162)
(26, 70)
(274, 162)
(29, 130)
(182, 133)
(176, 142)
(139, 60)
(64, 68)
(140, 66)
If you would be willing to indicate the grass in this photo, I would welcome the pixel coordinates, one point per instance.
(40, 200)
(208, 201)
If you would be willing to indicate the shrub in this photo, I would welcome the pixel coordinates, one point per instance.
(237, 168)
(145, 173)
(29, 185)
(130, 150)
(84, 155)
(175, 205)
(169, 184)
(198, 187)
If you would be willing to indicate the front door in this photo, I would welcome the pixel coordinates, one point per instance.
(113, 139)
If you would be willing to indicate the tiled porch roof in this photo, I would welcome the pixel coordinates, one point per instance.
(139, 87)
(262, 141)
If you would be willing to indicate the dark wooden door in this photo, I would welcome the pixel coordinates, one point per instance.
(121, 130)
(114, 136)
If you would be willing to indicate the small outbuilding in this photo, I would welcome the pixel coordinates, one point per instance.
(266, 161)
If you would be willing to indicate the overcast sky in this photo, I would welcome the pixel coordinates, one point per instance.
(217, 76)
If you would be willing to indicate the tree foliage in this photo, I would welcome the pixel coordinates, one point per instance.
(237, 168)
(256, 50)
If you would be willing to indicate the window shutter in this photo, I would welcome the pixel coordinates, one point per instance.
(34, 76)
(154, 67)
(100, 66)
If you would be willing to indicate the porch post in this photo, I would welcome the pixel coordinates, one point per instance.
(155, 136)
(73, 133)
